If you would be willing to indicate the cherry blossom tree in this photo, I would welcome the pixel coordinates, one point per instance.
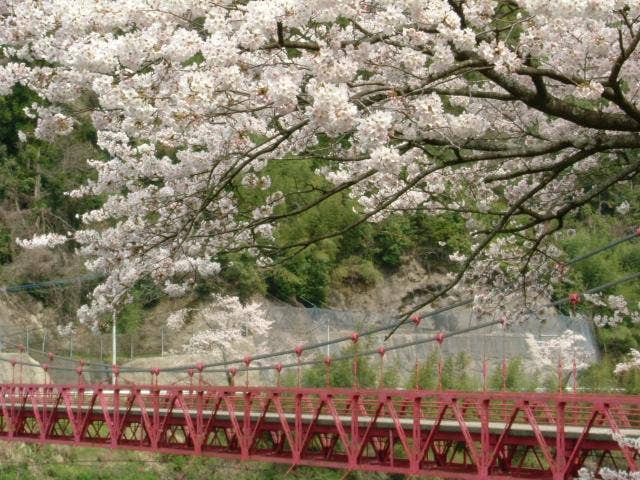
(566, 348)
(633, 362)
(514, 113)
(225, 327)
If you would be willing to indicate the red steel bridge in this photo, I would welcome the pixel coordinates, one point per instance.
(445, 434)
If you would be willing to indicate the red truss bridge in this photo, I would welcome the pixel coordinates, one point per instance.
(449, 434)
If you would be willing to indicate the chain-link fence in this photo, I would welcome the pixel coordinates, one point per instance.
(293, 326)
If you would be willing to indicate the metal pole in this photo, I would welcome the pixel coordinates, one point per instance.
(44, 341)
(162, 341)
(114, 346)
(328, 339)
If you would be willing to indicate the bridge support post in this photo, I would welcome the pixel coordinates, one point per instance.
(485, 439)
(561, 449)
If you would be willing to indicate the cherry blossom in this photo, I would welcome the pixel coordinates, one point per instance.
(225, 326)
(632, 363)
(485, 108)
(566, 348)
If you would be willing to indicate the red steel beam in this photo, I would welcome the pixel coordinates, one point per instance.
(448, 434)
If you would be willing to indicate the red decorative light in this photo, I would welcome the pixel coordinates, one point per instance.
(416, 320)
(233, 371)
(440, 338)
(574, 298)
(21, 348)
(200, 367)
(13, 362)
(51, 356)
(190, 372)
(45, 366)
(115, 369)
(355, 337)
(247, 360)
(381, 351)
(298, 350)
(155, 371)
(79, 370)
(327, 361)
(278, 367)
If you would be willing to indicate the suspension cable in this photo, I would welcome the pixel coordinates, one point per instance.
(211, 367)
(316, 345)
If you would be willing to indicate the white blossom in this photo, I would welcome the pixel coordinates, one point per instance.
(406, 103)
(41, 241)
(227, 325)
(567, 347)
(623, 208)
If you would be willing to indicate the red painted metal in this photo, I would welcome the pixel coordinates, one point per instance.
(445, 434)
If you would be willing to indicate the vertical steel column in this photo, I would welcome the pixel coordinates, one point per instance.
(561, 448)
(114, 347)
(485, 440)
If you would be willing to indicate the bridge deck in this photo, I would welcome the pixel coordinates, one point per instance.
(495, 428)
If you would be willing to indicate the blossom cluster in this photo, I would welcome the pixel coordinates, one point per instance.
(612, 309)
(564, 350)
(633, 362)
(412, 104)
(223, 326)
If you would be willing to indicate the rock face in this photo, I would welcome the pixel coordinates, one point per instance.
(406, 287)
(357, 311)
(31, 373)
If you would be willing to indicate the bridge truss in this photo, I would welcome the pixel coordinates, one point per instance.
(446, 434)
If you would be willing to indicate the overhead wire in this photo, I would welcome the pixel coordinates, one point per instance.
(50, 283)
(313, 346)
(212, 367)
(635, 234)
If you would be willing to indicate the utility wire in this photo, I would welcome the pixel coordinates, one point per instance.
(573, 261)
(50, 283)
(211, 367)
(392, 326)
(604, 248)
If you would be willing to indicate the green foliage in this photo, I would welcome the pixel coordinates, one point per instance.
(392, 240)
(516, 378)
(596, 225)
(13, 117)
(455, 373)
(427, 373)
(341, 372)
(356, 258)
(598, 377)
(239, 273)
(618, 340)
(145, 296)
(6, 245)
(357, 271)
